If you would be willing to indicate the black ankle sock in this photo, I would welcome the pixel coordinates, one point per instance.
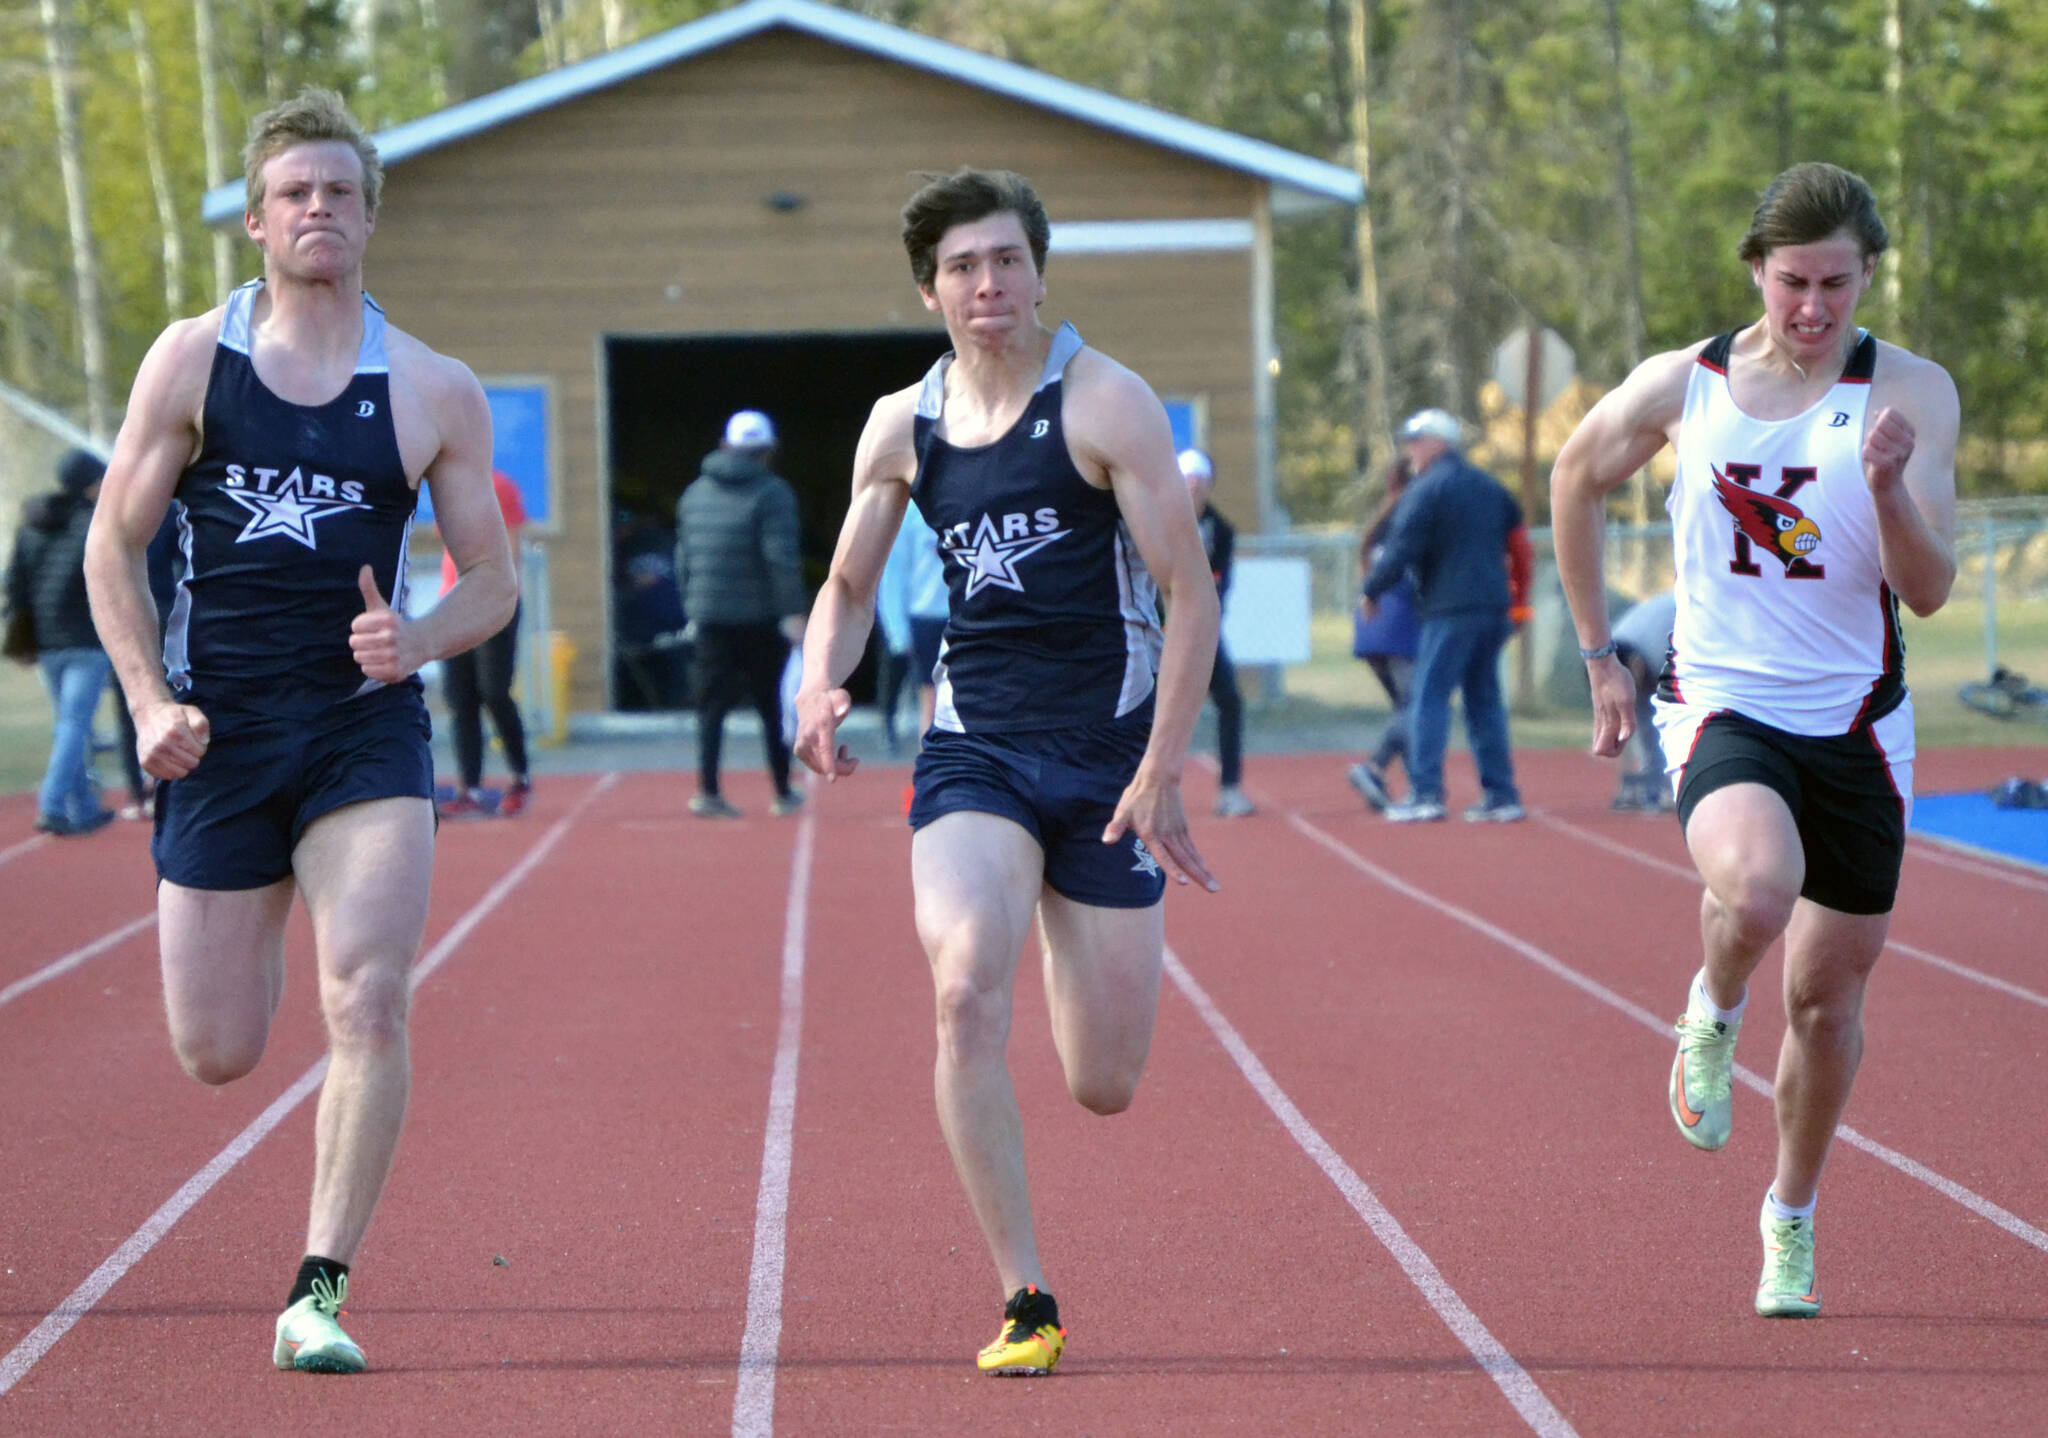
(1033, 1307)
(311, 1268)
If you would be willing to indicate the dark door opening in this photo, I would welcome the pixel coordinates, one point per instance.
(669, 399)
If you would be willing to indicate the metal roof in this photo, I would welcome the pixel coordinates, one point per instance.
(1299, 182)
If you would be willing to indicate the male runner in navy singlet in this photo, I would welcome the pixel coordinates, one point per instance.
(1051, 777)
(1815, 489)
(289, 432)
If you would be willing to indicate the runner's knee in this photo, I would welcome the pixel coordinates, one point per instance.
(974, 1018)
(366, 1008)
(218, 1056)
(1105, 1093)
(1759, 903)
(1824, 1014)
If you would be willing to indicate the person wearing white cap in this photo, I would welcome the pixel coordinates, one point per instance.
(1460, 533)
(738, 567)
(1219, 541)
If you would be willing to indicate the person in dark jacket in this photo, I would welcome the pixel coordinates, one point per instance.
(737, 565)
(1219, 542)
(1460, 533)
(46, 576)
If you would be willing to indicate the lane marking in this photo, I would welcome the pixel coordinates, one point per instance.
(1983, 1207)
(1961, 971)
(26, 846)
(1987, 863)
(60, 967)
(753, 1403)
(25, 1354)
(1486, 1350)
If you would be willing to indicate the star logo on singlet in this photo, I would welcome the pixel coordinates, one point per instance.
(285, 510)
(989, 559)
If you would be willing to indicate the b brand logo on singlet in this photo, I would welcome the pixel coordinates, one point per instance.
(990, 556)
(290, 506)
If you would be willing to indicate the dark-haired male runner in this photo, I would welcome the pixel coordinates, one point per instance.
(1815, 488)
(292, 427)
(1051, 779)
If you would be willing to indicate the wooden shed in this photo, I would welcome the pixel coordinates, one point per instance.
(629, 249)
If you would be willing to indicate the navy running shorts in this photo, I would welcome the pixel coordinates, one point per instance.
(1849, 797)
(1062, 787)
(233, 822)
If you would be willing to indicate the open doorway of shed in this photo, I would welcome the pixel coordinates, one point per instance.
(668, 398)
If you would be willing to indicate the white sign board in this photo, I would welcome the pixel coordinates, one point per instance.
(1511, 367)
(1265, 615)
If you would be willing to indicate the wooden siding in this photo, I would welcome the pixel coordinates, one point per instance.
(643, 210)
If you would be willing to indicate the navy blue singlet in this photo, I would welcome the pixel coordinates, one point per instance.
(1054, 617)
(282, 508)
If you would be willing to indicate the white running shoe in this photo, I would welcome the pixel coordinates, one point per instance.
(1787, 1288)
(1702, 1077)
(309, 1339)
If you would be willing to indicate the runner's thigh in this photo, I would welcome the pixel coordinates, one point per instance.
(976, 876)
(366, 871)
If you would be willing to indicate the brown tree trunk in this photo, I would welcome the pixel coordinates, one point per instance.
(1375, 430)
(60, 49)
(1893, 281)
(159, 169)
(1634, 332)
(210, 133)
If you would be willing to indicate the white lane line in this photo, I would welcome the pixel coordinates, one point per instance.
(1986, 863)
(1983, 1207)
(26, 846)
(753, 1404)
(1961, 971)
(60, 967)
(60, 1321)
(1486, 1350)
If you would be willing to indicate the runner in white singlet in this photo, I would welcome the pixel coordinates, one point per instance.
(1815, 490)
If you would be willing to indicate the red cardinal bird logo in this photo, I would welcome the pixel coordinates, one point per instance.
(1773, 524)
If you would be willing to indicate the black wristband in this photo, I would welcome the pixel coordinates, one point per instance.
(1601, 653)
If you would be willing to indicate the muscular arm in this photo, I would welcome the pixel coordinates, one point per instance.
(1617, 438)
(1909, 462)
(844, 613)
(158, 439)
(1116, 424)
(472, 526)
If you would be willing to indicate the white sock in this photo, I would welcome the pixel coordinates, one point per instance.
(1785, 1213)
(1706, 1004)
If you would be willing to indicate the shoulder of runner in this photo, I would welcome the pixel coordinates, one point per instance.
(436, 402)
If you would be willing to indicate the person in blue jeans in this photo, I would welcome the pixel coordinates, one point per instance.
(46, 576)
(1460, 533)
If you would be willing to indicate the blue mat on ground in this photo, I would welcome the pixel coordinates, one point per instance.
(1974, 820)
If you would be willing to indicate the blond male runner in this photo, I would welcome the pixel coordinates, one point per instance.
(1051, 777)
(292, 428)
(1815, 488)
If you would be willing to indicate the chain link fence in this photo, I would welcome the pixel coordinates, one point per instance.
(1997, 616)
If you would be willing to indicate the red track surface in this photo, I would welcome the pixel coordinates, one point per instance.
(592, 1068)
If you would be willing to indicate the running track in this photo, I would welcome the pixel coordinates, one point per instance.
(1401, 1162)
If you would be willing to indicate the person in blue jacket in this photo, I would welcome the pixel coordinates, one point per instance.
(1385, 639)
(1460, 533)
